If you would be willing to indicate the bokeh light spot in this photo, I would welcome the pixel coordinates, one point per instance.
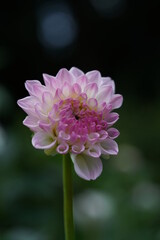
(57, 27)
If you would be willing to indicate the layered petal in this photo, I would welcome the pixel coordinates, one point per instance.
(109, 146)
(108, 81)
(87, 167)
(112, 118)
(66, 89)
(105, 93)
(76, 72)
(42, 140)
(49, 81)
(35, 88)
(32, 123)
(94, 151)
(64, 76)
(113, 133)
(28, 104)
(82, 81)
(91, 90)
(116, 101)
(62, 148)
(94, 76)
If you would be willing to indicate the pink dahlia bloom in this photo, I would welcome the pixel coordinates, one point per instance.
(73, 113)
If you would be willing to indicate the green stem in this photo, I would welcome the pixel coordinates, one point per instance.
(67, 192)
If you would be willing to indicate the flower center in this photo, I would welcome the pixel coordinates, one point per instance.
(77, 121)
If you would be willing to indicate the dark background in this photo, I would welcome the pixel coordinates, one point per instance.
(121, 39)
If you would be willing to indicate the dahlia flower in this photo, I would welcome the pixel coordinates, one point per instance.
(73, 113)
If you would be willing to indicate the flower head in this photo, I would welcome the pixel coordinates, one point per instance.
(73, 113)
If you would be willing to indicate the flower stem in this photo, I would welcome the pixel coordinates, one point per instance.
(67, 192)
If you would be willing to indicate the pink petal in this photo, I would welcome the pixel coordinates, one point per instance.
(91, 90)
(94, 76)
(62, 148)
(47, 99)
(66, 89)
(58, 95)
(76, 72)
(116, 101)
(87, 167)
(35, 88)
(54, 113)
(49, 80)
(63, 136)
(27, 104)
(42, 140)
(103, 135)
(40, 111)
(76, 89)
(112, 118)
(108, 81)
(77, 149)
(32, 123)
(104, 94)
(92, 102)
(82, 81)
(109, 146)
(94, 151)
(47, 127)
(113, 133)
(65, 76)
(93, 137)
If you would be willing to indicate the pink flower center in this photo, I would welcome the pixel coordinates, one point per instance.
(77, 121)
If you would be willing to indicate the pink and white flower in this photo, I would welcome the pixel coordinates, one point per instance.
(73, 113)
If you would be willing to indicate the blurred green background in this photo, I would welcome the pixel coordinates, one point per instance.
(120, 38)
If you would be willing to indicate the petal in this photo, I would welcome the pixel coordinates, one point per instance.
(27, 104)
(109, 146)
(82, 81)
(113, 133)
(76, 72)
(77, 149)
(116, 101)
(92, 103)
(112, 118)
(108, 81)
(35, 88)
(103, 135)
(58, 95)
(54, 113)
(94, 76)
(62, 148)
(41, 112)
(49, 80)
(104, 94)
(93, 137)
(47, 99)
(32, 123)
(66, 89)
(47, 127)
(94, 151)
(87, 167)
(91, 90)
(63, 136)
(64, 76)
(42, 140)
(76, 89)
